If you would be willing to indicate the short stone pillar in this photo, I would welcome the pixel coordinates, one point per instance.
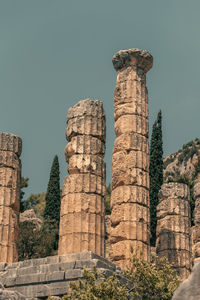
(130, 162)
(196, 227)
(82, 216)
(173, 226)
(10, 177)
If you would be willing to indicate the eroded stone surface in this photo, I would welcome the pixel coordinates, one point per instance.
(130, 161)
(173, 226)
(196, 227)
(82, 214)
(49, 276)
(189, 289)
(10, 176)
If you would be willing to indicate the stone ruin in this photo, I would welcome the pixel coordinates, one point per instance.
(174, 227)
(130, 162)
(82, 225)
(10, 176)
(196, 227)
(82, 216)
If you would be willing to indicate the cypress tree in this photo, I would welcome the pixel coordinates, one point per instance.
(155, 172)
(52, 208)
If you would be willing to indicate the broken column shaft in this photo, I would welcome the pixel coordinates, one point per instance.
(196, 227)
(10, 177)
(130, 161)
(82, 214)
(173, 226)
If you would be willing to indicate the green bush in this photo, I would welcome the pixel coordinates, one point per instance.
(156, 280)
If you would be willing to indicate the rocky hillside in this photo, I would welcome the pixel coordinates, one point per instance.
(183, 163)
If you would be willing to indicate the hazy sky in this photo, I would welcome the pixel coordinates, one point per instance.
(54, 53)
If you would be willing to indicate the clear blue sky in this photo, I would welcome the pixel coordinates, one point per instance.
(54, 53)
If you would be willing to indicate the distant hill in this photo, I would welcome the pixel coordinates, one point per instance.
(183, 163)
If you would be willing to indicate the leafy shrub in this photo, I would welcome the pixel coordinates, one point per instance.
(156, 280)
(34, 243)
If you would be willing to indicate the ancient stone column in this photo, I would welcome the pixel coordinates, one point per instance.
(82, 226)
(130, 161)
(173, 226)
(10, 176)
(196, 227)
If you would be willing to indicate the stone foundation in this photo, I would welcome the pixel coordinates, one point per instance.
(50, 276)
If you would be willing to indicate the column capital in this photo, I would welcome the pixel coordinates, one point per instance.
(133, 57)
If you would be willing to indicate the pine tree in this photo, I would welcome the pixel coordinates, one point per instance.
(52, 208)
(155, 172)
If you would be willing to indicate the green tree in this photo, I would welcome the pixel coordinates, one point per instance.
(35, 243)
(155, 172)
(23, 184)
(107, 200)
(52, 208)
(156, 280)
(36, 202)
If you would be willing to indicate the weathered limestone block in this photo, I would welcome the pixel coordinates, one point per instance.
(86, 107)
(84, 144)
(49, 276)
(173, 226)
(120, 251)
(131, 141)
(10, 176)
(86, 163)
(82, 214)
(86, 125)
(189, 289)
(126, 212)
(130, 194)
(10, 142)
(130, 162)
(197, 203)
(84, 183)
(132, 123)
(10, 197)
(77, 202)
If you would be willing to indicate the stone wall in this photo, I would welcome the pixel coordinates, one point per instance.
(50, 276)
(10, 176)
(173, 226)
(130, 161)
(82, 225)
(196, 227)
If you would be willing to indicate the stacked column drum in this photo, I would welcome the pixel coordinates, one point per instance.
(173, 226)
(10, 177)
(130, 162)
(82, 226)
(196, 227)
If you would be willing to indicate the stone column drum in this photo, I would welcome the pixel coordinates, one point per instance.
(130, 162)
(82, 225)
(196, 227)
(173, 226)
(10, 177)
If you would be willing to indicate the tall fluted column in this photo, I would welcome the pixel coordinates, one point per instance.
(173, 226)
(10, 176)
(196, 227)
(82, 225)
(130, 161)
